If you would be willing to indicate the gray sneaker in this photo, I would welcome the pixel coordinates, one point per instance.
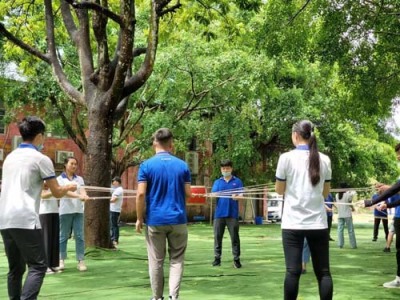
(392, 284)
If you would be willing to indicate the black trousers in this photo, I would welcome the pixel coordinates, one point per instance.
(51, 238)
(318, 241)
(329, 219)
(377, 221)
(24, 247)
(397, 232)
(219, 230)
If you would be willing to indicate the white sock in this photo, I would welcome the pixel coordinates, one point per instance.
(398, 278)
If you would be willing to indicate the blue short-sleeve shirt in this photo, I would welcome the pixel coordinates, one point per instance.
(166, 177)
(227, 207)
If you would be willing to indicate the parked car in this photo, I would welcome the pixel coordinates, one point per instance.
(275, 206)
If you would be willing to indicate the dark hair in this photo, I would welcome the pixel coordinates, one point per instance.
(397, 147)
(30, 127)
(342, 185)
(306, 130)
(225, 163)
(163, 136)
(117, 178)
(67, 159)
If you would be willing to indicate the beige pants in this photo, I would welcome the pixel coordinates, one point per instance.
(157, 237)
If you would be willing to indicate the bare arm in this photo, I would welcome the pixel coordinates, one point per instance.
(46, 194)
(113, 199)
(59, 191)
(188, 191)
(140, 201)
(280, 187)
(327, 189)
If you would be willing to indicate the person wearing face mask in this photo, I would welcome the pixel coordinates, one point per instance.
(115, 209)
(227, 212)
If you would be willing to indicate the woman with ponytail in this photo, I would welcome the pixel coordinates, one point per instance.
(303, 176)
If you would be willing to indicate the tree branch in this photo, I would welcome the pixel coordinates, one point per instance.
(388, 33)
(67, 125)
(190, 107)
(35, 52)
(291, 20)
(66, 86)
(137, 81)
(96, 7)
(139, 51)
(171, 9)
(69, 21)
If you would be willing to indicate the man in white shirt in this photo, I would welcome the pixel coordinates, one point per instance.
(24, 171)
(115, 209)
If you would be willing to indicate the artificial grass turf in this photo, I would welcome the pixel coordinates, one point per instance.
(357, 273)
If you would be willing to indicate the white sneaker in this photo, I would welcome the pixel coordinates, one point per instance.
(50, 271)
(81, 266)
(392, 284)
(61, 265)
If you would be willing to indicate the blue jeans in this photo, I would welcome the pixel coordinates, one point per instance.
(306, 252)
(350, 229)
(114, 228)
(74, 221)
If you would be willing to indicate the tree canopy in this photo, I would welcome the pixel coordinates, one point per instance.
(234, 75)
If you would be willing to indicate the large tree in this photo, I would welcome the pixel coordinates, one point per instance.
(105, 56)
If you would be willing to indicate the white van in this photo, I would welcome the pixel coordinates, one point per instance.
(275, 206)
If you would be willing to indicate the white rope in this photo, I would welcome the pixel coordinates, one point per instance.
(105, 189)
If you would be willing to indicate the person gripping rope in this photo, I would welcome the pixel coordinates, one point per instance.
(392, 192)
(115, 209)
(227, 212)
(24, 171)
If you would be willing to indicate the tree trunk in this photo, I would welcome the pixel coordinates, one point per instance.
(98, 173)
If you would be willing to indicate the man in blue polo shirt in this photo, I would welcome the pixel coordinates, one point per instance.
(164, 185)
(227, 212)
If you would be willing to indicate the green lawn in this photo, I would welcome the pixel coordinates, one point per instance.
(122, 274)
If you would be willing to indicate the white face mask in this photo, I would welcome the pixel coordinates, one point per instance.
(226, 174)
(40, 147)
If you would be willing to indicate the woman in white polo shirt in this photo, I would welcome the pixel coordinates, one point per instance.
(71, 214)
(303, 176)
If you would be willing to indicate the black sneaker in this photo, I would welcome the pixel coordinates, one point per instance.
(374, 239)
(216, 262)
(237, 264)
(386, 249)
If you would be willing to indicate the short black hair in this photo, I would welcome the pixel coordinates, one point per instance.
(226, 163)
(117, 178)
(30, 127)
(163, 136)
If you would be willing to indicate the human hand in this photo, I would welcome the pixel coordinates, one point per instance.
(139, 226)
(84, 198)
(360, 204)
(381, 207)
(71, 187)
(380, 187)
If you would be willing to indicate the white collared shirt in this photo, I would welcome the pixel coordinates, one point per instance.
(303, 206)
